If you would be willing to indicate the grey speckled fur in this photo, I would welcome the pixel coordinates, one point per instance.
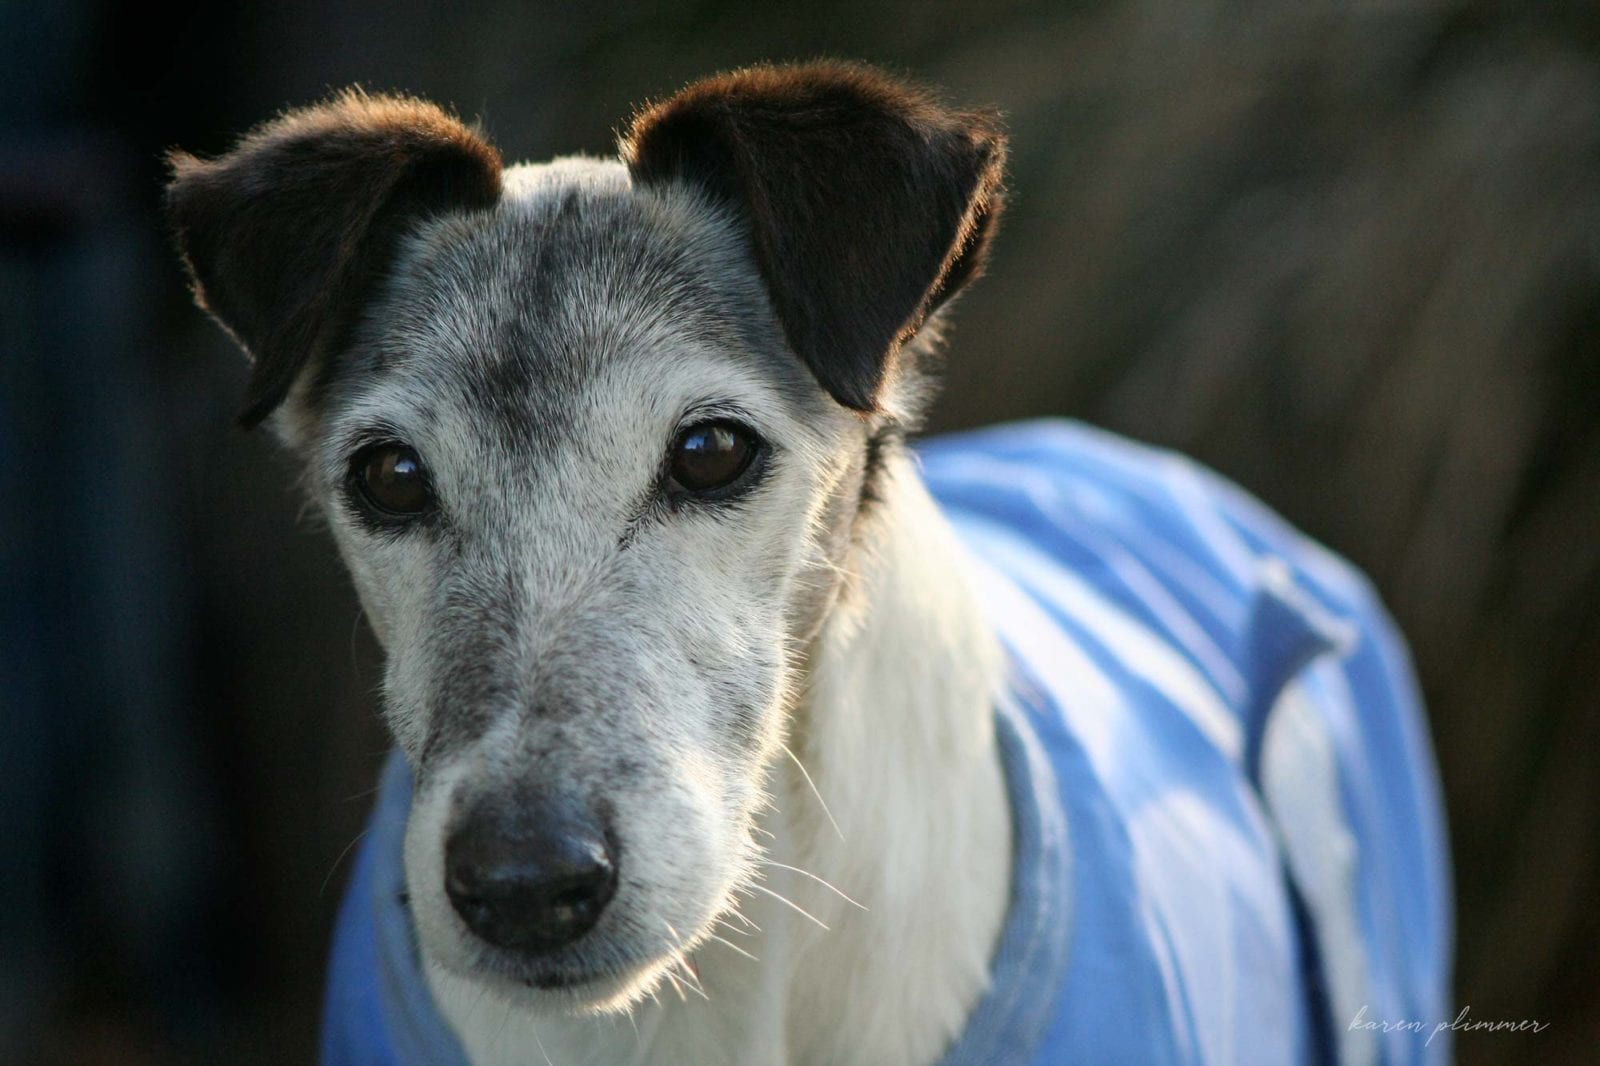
(550, 626)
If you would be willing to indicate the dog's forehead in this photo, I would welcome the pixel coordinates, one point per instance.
(515, 312)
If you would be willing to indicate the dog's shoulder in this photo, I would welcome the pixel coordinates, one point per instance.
(1224, 718)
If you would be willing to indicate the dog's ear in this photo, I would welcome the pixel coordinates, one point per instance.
(284, 234)
(869, 203)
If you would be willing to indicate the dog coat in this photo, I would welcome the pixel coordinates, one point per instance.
(1229, 845)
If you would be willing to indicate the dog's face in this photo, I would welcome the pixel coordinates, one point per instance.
(593, 438)
(590, 616)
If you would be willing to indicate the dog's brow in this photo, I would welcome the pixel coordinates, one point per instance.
(365, 436)
(702, 410)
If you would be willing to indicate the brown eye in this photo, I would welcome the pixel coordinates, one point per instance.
(391, 478)
(711, 455)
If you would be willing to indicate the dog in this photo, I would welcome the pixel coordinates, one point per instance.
(731, 727)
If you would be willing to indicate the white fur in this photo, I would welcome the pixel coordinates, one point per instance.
(896, 731)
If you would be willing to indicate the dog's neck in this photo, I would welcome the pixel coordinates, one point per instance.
(901, 806)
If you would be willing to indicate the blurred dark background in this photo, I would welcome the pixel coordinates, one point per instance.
(1346, 252)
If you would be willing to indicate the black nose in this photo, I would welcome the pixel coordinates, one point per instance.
(529, 876)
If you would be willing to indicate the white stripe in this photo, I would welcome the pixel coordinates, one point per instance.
(1147, 567)
(1138, 649)
(1082, 692)
(1195, 500)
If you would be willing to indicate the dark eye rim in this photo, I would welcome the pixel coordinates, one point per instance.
(361, 495)
(730, 490)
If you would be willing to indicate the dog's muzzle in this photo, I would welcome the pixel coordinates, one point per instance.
(530, 876)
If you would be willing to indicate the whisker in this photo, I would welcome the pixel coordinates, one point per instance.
(734, 912)
(822, 802)
(540, 1044)
(692, 981)
(675, 959)
(335, 867)
(500, 1033)
(690, 975)
(355, 627)
(735, 930)
(790, 904)
(814, 877)
(730, 944)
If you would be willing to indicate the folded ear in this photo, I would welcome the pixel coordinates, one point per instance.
(284, 235)
(869, 203)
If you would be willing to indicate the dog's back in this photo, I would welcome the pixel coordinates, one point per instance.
(1229, 824)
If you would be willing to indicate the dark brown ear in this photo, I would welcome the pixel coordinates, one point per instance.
(870, 204)
(284, 234)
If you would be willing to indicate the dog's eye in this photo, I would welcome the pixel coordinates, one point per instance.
(711, 455)
(391, 478)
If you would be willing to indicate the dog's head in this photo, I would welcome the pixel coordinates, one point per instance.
(592, 437)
